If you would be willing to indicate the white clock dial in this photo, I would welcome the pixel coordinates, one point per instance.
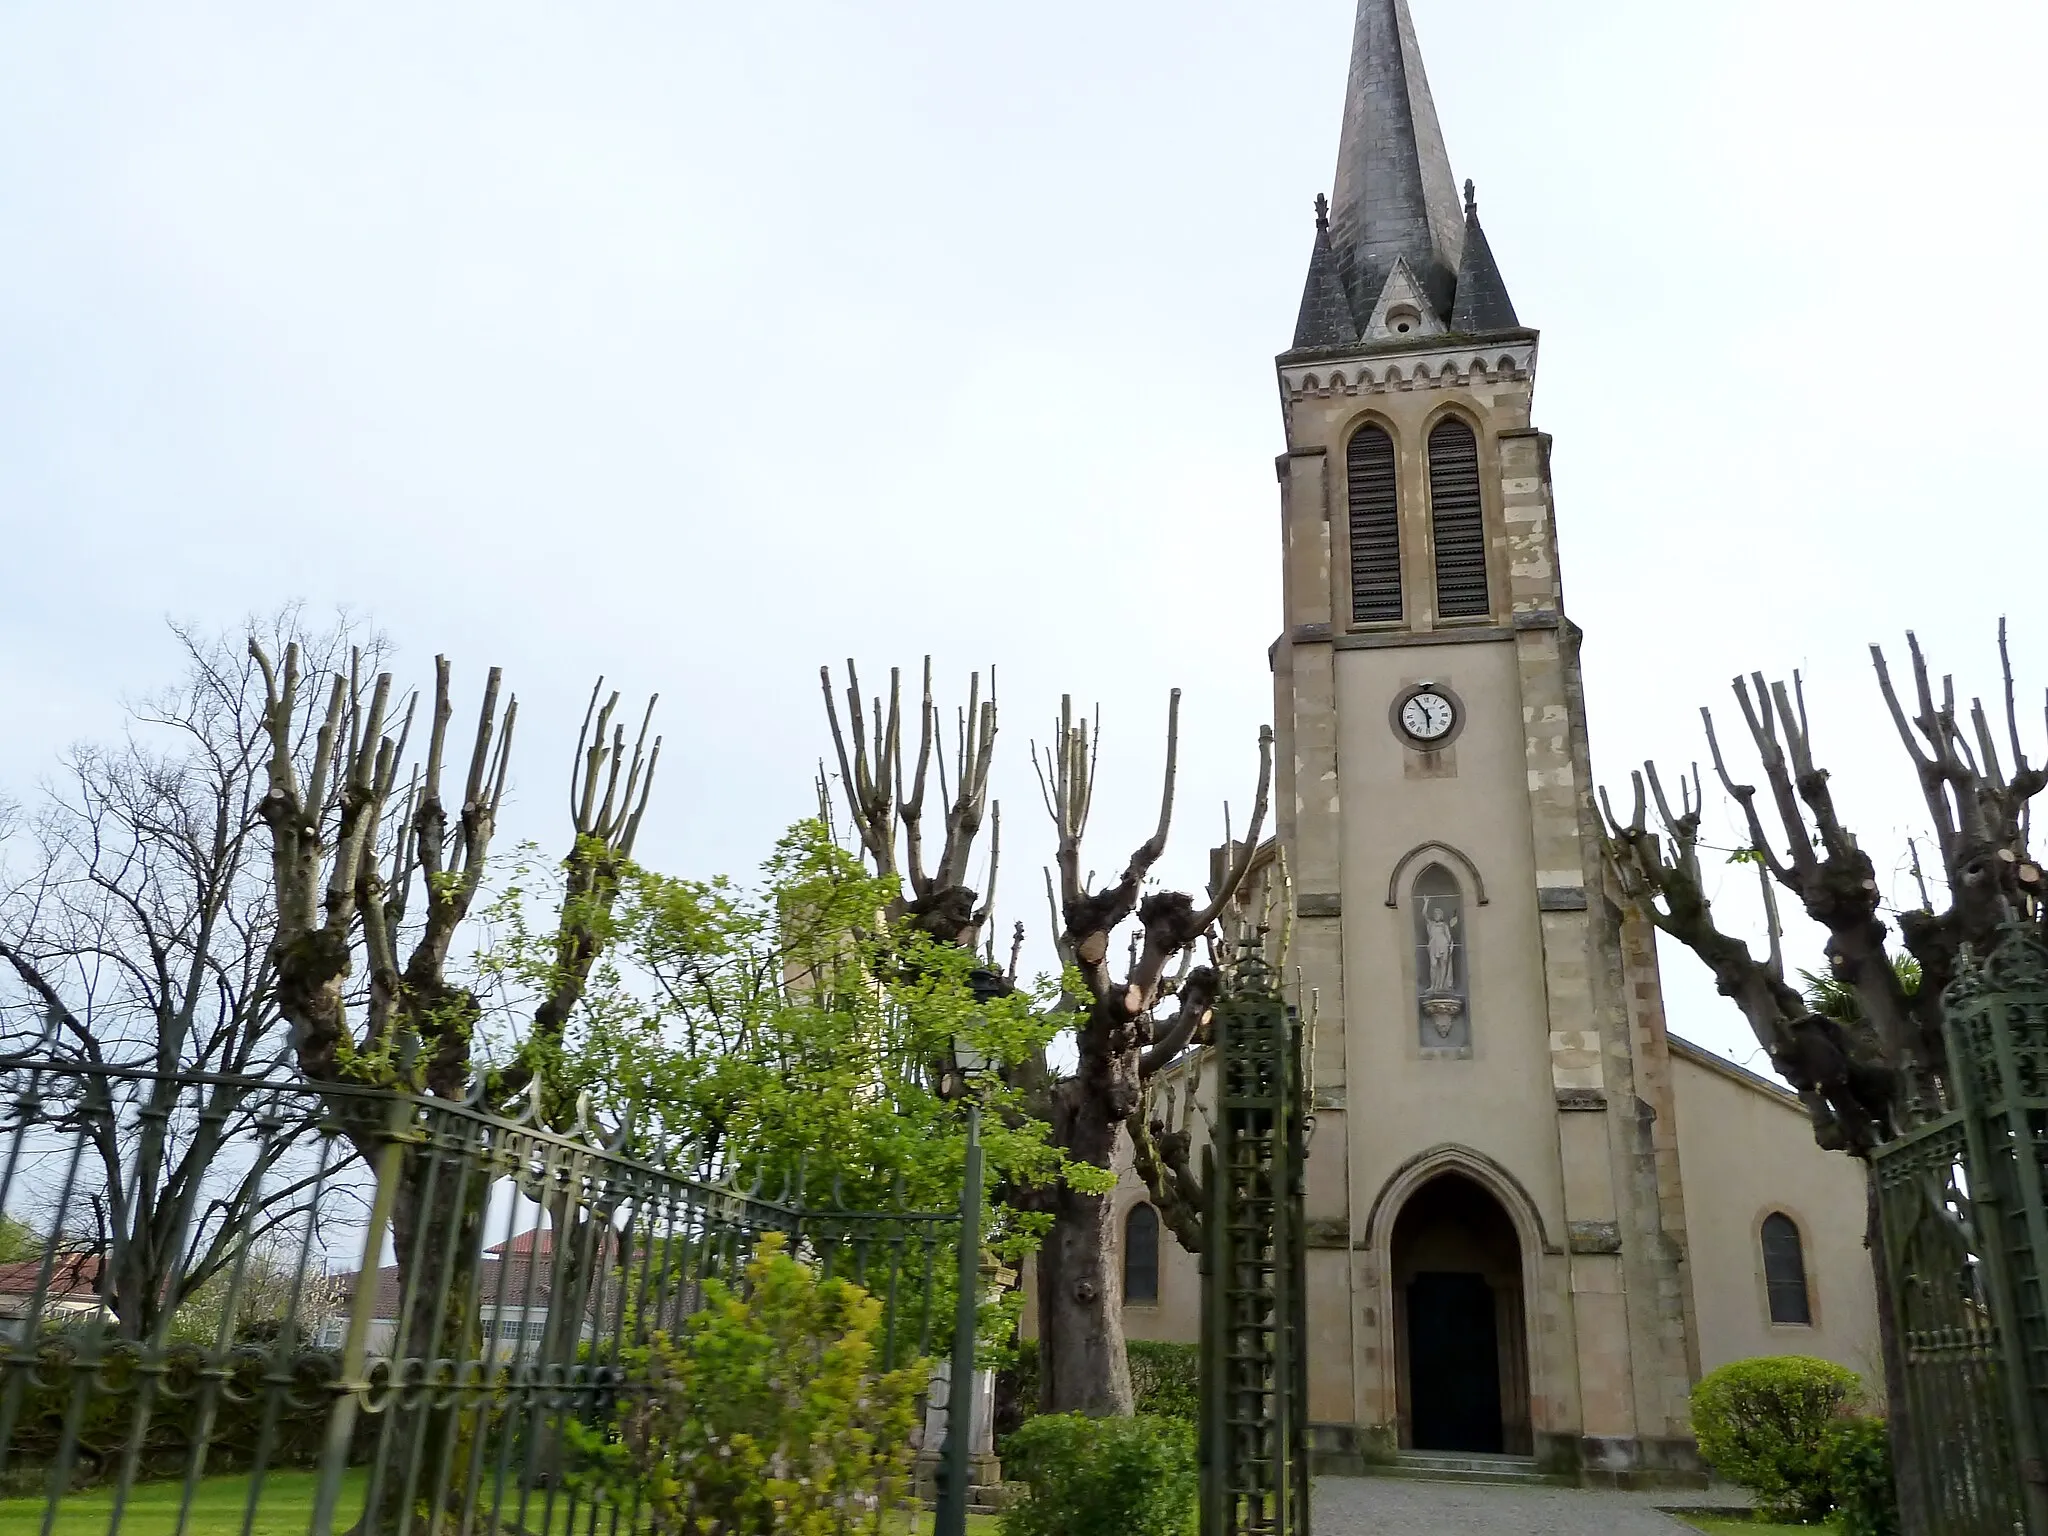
(1428, 716)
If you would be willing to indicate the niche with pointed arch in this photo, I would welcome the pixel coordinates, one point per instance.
(1443, 989)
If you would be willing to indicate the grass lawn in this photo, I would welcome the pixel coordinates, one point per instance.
(1751, 1527)
(284, 1509)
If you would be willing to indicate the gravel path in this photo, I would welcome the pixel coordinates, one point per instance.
(1387, 1506)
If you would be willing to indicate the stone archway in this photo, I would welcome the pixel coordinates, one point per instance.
(1460, 1330)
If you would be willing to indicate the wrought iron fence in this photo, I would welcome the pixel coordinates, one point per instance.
(344, 1308)
(1965, 1225)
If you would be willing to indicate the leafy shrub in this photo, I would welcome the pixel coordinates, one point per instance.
(1103, 1477)
(1166, 1380)
(765, 1417)
(1860, 1476)
(1764, 1424)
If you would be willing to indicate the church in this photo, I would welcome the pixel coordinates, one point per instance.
(1536, 1216)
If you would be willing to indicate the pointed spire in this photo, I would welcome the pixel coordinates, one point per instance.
(1483, 303)
(1325, 319)
(1395, 195)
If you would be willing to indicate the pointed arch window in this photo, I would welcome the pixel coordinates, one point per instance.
(1785, 1271)
(1141, 1255)
(1375, 527)
(1455, 517)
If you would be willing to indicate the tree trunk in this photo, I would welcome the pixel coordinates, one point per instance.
(1082, 1367)
(436, 1230)
(1915, 1517)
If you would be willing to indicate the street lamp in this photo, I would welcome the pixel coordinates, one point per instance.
(970, 1066)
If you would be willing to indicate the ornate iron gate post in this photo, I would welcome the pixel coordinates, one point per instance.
(1254, 1348)
(1965, 1218)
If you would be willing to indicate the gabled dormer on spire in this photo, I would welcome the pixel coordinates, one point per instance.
(1403, 310)
(1482, 303)
(1325, 319)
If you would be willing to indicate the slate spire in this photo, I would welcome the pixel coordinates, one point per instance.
(1482, 303)
(1395, 195)
(1325, 319)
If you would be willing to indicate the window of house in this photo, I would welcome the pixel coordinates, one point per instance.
(1785, 1271)
(1141, 1255)
(1375, 527)
(1456, 520)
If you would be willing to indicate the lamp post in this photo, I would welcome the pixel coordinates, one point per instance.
(969, 1061)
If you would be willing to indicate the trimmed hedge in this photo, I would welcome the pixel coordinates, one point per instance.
(1103, 1477)
(1765, 1425)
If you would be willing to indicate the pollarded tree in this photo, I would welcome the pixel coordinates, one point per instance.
(1121, 1034)
(1873, 1062)
(938, 900)
(1121, 1041)
(374, 877)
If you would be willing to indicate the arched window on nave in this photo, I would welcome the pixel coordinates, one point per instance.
(1141, 1255)
(1785, 1271)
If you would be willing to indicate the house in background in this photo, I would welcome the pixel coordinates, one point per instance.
(514, 1291)
(71, 1293)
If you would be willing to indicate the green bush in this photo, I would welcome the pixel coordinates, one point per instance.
(1860, 1476)
(1764, 1425)
(1103, 1477)
(1166, 1381)
(766, 1416)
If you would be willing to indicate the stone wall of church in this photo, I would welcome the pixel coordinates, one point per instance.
(1747, 1150)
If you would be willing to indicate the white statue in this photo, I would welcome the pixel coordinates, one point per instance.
(1441, 946)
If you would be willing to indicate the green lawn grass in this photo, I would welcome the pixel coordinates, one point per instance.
(1751, 1527)
(284, 1508)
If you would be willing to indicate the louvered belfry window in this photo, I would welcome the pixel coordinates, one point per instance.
(1459, 527)
(1375, 527)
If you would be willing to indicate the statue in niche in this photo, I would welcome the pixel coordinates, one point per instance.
(1440, 963)
(1438, 924)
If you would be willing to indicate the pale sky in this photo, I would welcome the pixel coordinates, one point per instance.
(698, 345)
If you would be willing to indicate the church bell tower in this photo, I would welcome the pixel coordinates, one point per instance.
(1498, 1241)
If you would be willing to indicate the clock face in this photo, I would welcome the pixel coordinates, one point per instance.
(1428, 716)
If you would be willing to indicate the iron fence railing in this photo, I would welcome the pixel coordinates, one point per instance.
(356, 1309)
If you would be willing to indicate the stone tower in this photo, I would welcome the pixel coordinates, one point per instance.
(1494, 1195)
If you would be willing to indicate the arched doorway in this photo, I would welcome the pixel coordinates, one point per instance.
(1460, 1336)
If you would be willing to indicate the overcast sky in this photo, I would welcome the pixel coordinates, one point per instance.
(697, 345)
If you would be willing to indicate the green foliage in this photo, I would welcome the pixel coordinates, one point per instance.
(18, 1241)
(1103, 1477)
(1837, 1000)
(1764, 1425)
(787, 1028)
(1166, 1382)
(766, 1417)
(1859, 1452)
(1166, 1379)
